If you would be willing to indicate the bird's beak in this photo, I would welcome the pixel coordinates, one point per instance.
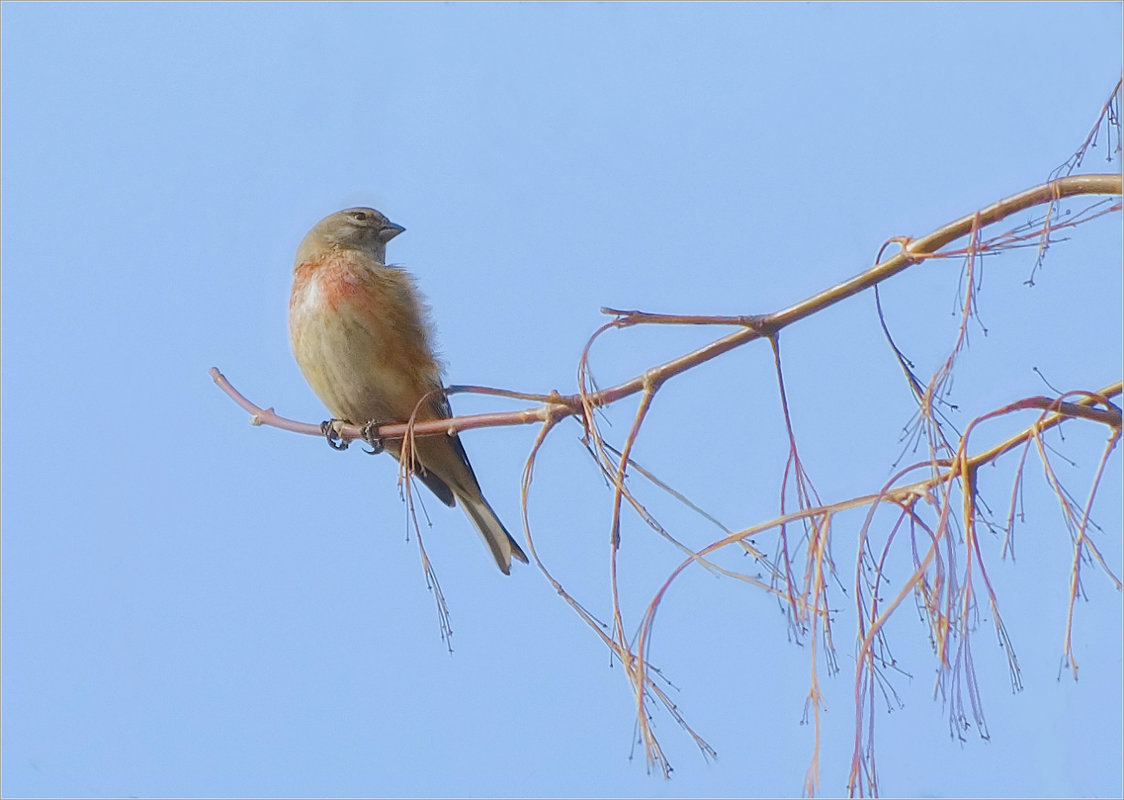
(389, 231)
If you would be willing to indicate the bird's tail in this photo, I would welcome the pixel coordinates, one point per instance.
(492, 531)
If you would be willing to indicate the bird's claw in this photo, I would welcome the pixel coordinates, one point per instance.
(335, 441)
(370, 436)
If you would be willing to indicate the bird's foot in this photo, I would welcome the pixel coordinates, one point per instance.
(335, 441)
(370, 436)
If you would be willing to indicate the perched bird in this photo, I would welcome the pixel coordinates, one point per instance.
(360, 334)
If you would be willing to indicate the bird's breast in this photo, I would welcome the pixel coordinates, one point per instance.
(359, 341)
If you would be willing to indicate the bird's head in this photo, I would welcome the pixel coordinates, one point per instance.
(363, 229)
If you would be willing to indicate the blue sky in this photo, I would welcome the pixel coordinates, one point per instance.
(194, 606)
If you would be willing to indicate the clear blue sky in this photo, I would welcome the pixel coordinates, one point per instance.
(193, 606)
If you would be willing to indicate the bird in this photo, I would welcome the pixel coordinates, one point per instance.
(361, 335)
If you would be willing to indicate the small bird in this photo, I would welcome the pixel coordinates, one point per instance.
(361, 336)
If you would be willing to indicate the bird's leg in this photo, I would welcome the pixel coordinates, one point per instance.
(371, 437)
(335, 441)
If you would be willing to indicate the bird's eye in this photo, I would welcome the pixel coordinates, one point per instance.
(360, 216)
